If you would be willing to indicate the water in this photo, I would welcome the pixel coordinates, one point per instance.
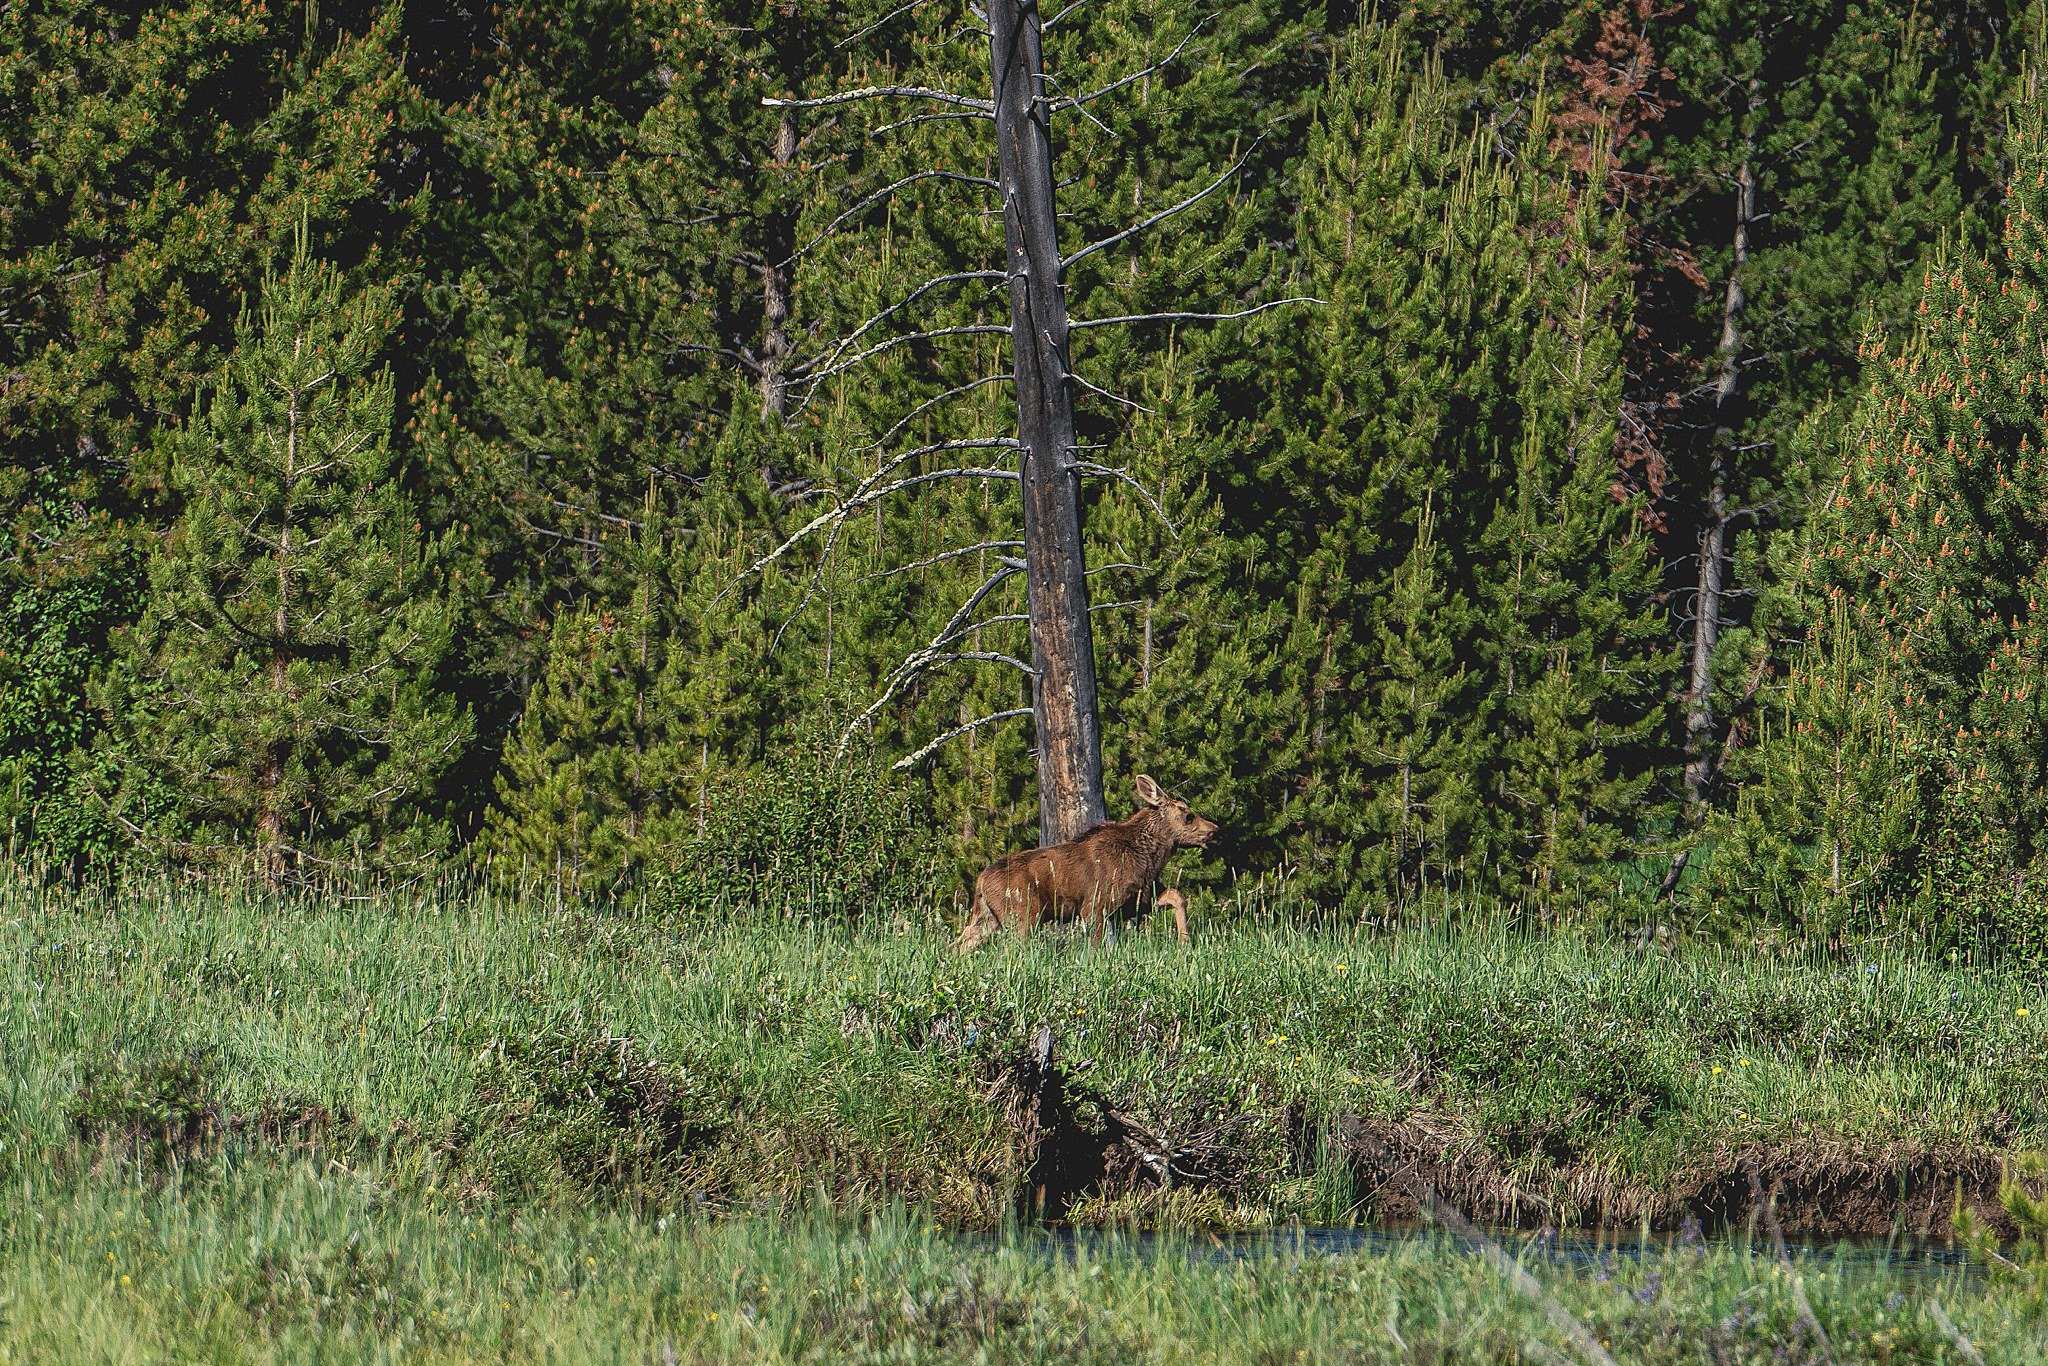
(1592, 1253)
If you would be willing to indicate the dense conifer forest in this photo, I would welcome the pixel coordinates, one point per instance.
(1581, 455)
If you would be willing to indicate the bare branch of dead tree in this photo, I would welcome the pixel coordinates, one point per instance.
(1070, 102)
(1160, 217)
(1193, 317)
(916, 666)
(1076, 102)
(940, 558)
(1065, 10)
(839, 512)
(1112, 397)
(910, 761)
(877, 92)
(933, 402)
(927, 287)
(811, 381)
(1124, 476)
(916, 119)
(881, 23)
(869, 200)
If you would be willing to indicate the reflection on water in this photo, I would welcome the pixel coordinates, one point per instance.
(1594, 1252)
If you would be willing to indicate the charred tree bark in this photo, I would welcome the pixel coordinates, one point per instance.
(1063, 693)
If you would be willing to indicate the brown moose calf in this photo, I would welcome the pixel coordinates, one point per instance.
(1102, 873)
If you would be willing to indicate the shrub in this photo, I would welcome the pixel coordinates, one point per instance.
(814, 834)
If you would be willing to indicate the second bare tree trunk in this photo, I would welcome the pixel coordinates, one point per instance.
(1706, 633)
(1062, 641)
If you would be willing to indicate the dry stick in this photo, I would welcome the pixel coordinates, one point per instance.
(1191, 317)
(1429, 1202)
(914, 92)
(1160, 217)
(1075, 102)
(1954, 1334)
(1807, 1318)
(910, 761)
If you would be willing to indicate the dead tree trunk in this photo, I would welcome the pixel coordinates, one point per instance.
(1062, 642)
(1706, 633)
(775, 286)
(1700, 754)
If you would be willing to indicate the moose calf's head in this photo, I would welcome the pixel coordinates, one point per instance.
(1182, 825)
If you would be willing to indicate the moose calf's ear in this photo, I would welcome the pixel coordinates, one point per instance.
(1148, 791)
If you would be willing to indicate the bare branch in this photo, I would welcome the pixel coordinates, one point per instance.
(1064, 12)
(811, 381)
(1125, 476)
(1114, 398)
(875, 92)
(883, 22)
(932, 402)
(939, 558)
(1111, 606)
(1114, 86)
(1160, 217)
(916, 119)
(592, 512)
(1191, 317)
(840, 511)
(905, 302)
(911, 670)
(1069, 102)
(1008, 567)
(909, 761)
(868, 201)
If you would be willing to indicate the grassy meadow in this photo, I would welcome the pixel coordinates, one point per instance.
(454, 1127)
(263, 1262)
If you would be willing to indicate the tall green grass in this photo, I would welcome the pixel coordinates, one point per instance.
(257, 1261)
(472, 1035)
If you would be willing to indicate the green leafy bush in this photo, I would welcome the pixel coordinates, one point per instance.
(814, 834)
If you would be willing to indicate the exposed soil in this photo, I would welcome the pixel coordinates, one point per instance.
(1075, 1144)
(1820, 1188)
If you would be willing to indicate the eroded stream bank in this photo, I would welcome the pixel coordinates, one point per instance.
(1085, 1159)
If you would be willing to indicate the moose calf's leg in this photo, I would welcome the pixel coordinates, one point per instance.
(981, 927)
(1172, 899)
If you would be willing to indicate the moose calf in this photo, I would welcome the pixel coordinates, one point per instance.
(1102, 873)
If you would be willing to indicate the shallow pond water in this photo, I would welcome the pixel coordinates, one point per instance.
(1595, 1252)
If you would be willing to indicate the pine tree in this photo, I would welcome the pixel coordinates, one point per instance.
(1837, 792)
(281, 687)
(146, 162)
(636, 717)
(1574, 642)
(1925, 545)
